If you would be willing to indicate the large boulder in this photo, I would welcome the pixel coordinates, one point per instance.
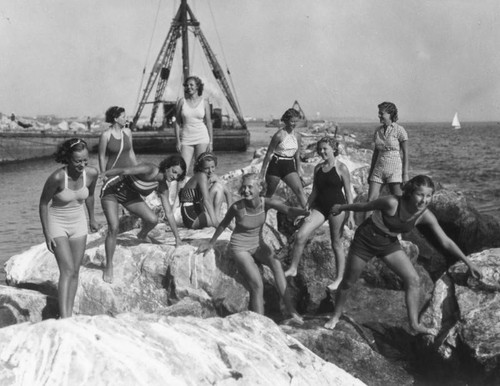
(466, 312)
(148, 349)
(23, 305)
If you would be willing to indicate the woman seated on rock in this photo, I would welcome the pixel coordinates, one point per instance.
(378, 236)
(247, 246)
(332, 185)
(202, 196)
(64, 223)
(126, 186)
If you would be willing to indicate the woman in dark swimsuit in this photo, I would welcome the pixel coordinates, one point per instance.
(378, 236)
(331, 180)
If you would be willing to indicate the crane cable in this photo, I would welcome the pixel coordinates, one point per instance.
(224, 56)
(147, 56)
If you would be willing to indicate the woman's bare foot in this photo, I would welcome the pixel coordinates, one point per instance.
(333, 287)
(107, 275)
(332, 322)
(420, 329)
(291, 271)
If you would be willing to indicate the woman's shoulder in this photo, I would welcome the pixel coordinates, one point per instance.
(91, 171)
(58, 175)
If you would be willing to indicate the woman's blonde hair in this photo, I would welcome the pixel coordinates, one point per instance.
(261, 183)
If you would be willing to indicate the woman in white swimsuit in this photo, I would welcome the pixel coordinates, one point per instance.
(193, 116)
(64, 222)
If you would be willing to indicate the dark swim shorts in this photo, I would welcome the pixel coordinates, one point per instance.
(281, 166)
(371, 241)
(117, 189)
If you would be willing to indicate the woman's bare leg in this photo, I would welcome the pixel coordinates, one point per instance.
(110, 209)
(250, 271)
(294, 182)
(336, 230)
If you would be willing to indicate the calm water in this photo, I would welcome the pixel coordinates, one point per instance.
(464, 159)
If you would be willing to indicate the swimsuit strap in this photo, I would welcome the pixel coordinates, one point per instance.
(65, 178)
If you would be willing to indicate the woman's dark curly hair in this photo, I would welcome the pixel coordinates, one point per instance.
(289, 114)
(67, 148)
(415, 183)
(199, 83)
(112, 113)
(206, 156)
(391, 109)
(330, 141)
(173, 160)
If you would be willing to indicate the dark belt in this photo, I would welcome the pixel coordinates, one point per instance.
(280, 157)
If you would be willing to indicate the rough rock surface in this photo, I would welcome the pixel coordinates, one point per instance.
(22, 305)
(466, 312)
(132, 349)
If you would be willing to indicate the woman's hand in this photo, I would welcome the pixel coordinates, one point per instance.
(204, 247)
(474, 272)
(94, 226)
(210, 147)
(178, 147)
(179, 242)
(51, 244)
(336, 210)
(350, 221)
(297, 212)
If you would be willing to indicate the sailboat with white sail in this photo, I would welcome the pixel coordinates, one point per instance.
(455, 123)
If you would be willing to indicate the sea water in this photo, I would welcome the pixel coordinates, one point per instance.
(464, 159)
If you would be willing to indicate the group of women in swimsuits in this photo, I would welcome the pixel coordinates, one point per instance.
(125, 182)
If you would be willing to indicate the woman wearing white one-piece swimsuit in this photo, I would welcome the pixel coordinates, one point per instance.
(193, 116)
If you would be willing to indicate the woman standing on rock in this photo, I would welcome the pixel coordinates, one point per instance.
(282, 160)
(332, 185)
(201, 197)
(64, 222)
(126, 186)
(194, 117)
(378, 236)
(390, 140)
(247, 246)
(115, 143)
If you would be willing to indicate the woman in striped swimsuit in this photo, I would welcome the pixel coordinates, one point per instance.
(282, 160)
(64, 223)
(378, 236)
(247, 246)
(126, 186)
(201, 198)
(390, 140)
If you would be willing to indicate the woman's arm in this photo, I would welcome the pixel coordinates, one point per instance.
(277, 138)
(220, 228)
(131, 151)
(92, 175)
(145, 169)
(49, 190)
(202, 181)
(169, 213)
(314, 192)
(178, 124)
(374, 160)
(428, 218)
(208, 123)
(103, 144)
(385, 203)
(346, 180)
(298, 162)
(404, 149)
(290, 211)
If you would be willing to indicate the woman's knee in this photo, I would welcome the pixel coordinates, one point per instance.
(412, 281)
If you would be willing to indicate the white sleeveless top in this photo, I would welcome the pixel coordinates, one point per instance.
(194, 130)
(288, 147)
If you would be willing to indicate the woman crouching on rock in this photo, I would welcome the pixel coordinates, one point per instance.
(202, 196)
(247, 246)
(378, 236)
(126, 186)
(64, 223)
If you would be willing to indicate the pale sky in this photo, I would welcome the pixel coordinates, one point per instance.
(337, 58)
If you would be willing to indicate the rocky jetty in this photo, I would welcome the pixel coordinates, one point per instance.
(172, 314)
